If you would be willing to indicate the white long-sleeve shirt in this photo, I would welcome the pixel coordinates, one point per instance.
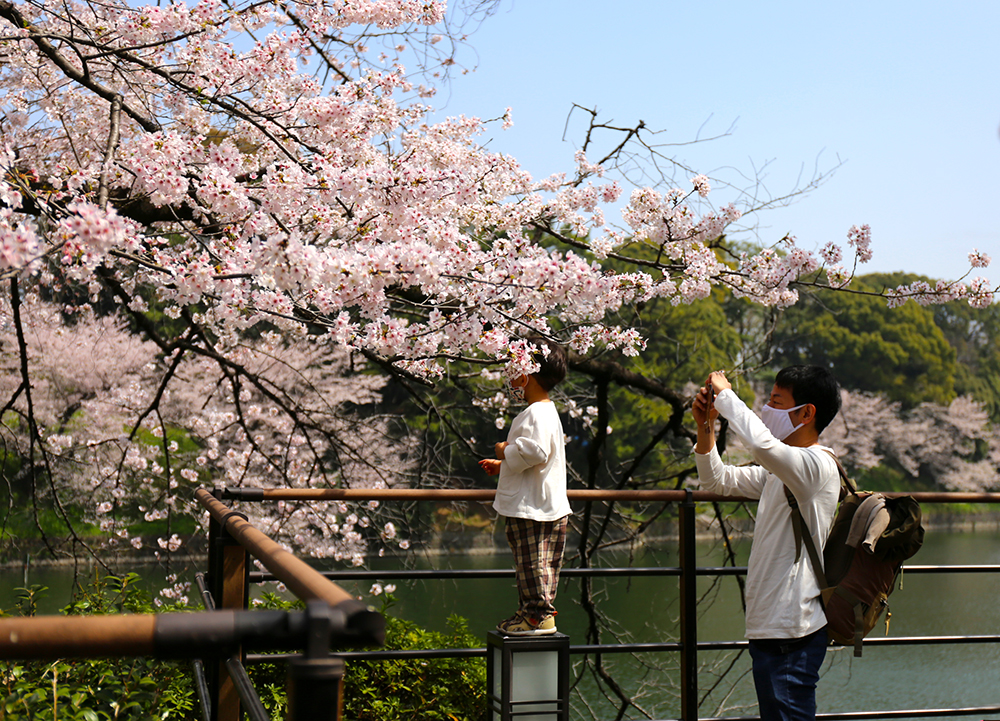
(532, 481)
(782, 595)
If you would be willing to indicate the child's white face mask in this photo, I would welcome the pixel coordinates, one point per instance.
(515, 393)
(778, 422)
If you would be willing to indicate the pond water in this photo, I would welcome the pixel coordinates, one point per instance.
(645, 609)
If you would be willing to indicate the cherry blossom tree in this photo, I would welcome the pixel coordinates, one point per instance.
(262, 192)
(954, 445)
(258, 162)
(103, 432)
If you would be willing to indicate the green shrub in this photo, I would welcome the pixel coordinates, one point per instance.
(120, 689)
(445, 689)
(145, 689)
(137, 689)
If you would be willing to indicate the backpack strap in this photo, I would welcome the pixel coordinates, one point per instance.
(845, 480)
(859, 617)
(799, 523)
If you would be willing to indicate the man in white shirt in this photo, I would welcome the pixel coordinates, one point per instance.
(785, 621)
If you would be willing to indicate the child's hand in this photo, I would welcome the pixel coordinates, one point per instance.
(499, 449)
(490, 465)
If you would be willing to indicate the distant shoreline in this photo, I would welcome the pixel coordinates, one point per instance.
(471, 543)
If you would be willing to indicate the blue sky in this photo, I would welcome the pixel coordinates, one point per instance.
(901, 99)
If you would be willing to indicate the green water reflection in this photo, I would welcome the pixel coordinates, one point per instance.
(645, 609)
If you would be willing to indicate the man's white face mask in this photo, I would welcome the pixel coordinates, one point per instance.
(778, 422)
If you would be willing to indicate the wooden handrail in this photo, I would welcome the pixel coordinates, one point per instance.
(298, 576)
(76, 636)
(301, 579)
(167, 635)
(485, 495)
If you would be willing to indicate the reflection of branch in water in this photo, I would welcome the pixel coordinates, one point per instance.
(722, 704)
(601, 529)
(730, 558)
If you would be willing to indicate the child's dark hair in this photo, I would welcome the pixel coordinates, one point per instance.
(815, 385)
(553, 365)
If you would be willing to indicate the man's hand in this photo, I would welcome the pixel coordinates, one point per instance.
(499, 449)
(490, 465)
(718, 382)
(703, 410)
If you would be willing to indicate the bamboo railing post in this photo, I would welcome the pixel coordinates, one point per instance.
(228, 573)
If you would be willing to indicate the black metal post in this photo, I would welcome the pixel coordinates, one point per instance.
(316, 679)
(201, 686)
(249, 699)
(689, 611)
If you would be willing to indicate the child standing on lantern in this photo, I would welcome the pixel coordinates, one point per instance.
(531, 492)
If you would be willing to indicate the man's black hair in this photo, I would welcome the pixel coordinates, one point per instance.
(553, 364)
(815, 385)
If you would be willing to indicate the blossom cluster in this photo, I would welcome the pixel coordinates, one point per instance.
(954, 443)
(267, 194)
(268, 178)
(128, 457)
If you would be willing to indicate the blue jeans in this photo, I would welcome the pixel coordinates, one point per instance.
(785, 672)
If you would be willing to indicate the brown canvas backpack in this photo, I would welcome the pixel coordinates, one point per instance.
(870, 538)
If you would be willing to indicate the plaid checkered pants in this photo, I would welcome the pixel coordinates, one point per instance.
(538, 555)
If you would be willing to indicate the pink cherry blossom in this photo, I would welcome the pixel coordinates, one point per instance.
(978, 259)
(701, 185)
(861, 238)
(240, 200)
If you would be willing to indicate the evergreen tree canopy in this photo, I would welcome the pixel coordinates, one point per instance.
(898, 352)
(974, 333)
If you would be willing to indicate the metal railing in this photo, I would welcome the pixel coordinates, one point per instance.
(219, 639)
(216, 639)
(687, 573)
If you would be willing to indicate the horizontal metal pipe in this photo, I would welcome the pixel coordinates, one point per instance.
(909, 713)
(927, 640)
(358, 494)
(430, 574)
(741, 570)
(901, 713)
(301, 579)
(452, 573)
(671, 646)
(396, 655)
(487, 494)
(950, 569)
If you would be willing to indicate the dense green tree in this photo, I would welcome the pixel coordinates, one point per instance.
(974, 333)
(898, 352)
(684, 342)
